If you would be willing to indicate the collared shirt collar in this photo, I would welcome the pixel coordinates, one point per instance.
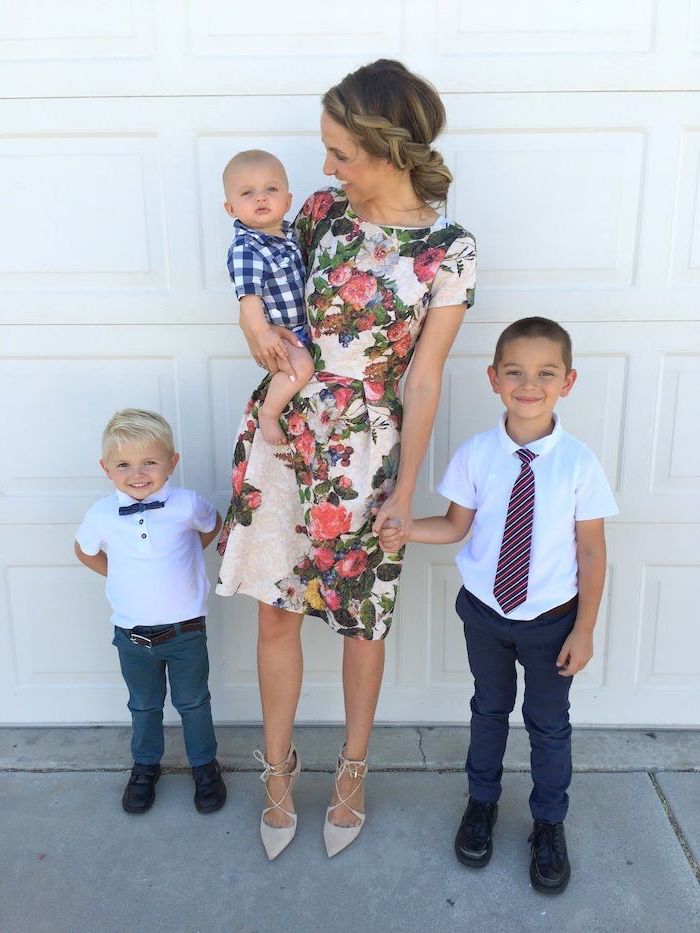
(259, 234)
(160, 496)
(541, 446)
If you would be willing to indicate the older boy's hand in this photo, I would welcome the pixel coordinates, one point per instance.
(575, 653)
(390, 538)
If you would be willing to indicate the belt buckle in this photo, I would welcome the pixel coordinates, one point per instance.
(142, 640)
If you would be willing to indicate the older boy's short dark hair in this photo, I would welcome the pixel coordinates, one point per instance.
(534, 327)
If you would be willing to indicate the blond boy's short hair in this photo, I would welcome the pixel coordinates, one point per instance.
(136, 426)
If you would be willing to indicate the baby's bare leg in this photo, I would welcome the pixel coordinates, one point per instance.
(281, 391)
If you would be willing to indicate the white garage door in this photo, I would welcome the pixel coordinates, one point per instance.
(575, 142)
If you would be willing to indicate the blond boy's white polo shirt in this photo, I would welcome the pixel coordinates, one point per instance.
(570, 486)
(155, 560)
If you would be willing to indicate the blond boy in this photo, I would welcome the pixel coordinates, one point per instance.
(147, 539)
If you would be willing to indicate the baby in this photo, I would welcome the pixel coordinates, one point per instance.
(267, 268)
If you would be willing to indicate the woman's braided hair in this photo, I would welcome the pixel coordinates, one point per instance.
(394, 115)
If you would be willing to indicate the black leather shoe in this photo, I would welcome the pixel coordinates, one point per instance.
(549, 865)
(473, 843)
(209, 787)
(140, 792)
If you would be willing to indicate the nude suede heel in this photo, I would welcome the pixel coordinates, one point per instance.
(277, 838)
(338, 838)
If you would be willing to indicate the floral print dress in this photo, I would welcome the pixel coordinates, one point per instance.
(298, 533)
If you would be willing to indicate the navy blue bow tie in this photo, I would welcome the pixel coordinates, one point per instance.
(139, 507)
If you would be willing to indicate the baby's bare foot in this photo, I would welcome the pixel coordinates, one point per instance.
(270, 427)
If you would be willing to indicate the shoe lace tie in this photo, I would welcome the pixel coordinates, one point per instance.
(282, 769)
(356, 770)
(548, 844)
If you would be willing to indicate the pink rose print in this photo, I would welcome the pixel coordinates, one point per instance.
(238, 476)
(366, 322)
(253, 499)
(397, 330)
(374, 391)
(352, 565)
(345, 482)
(340, 276)
(402, 347)
(296, 424)
(321, 205)
(324, 558)
(305, 444)
(328, 521)
(342, 397)
(330, 597)
(426, 264)
(357, 291)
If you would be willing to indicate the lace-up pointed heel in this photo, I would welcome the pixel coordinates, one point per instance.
(338, 838)
(277, 838)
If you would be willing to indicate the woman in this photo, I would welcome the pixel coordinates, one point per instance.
(387, 276)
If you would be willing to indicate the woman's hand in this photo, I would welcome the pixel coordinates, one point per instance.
(393, 522)
(267, 347)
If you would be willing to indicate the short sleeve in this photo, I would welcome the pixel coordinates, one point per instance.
(203, 514)
(89, 534)
(594, 497)
(456, 276)
(458, 483)
(247, 268)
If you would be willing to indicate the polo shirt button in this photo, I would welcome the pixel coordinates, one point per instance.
(140, 521)
(144, 536)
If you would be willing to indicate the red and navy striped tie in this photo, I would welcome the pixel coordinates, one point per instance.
(510, 584)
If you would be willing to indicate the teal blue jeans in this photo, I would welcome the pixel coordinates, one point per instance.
(185, 662)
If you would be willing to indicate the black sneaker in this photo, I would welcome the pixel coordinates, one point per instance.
(140, 792)
(209, 787)
(473, 844)
(549, 865)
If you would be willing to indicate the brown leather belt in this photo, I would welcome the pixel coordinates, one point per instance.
(558, 611)
(156, 636)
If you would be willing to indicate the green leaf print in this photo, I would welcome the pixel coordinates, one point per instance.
(239, 453)
(443, 237)
(342, 226)
(387, 572)
(368, 616)
(412, 249)
(390, 463)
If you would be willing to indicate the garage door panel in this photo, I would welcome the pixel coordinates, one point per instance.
(188, 47)
(573, 136)
(89, 210)
(145, 238)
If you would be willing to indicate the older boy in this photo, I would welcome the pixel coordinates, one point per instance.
(533, 569)
(267, 269)
(147, 539)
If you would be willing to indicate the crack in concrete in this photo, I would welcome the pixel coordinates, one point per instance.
(687, 851)
(420, 747)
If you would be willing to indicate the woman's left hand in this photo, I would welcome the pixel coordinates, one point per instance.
(396, 513)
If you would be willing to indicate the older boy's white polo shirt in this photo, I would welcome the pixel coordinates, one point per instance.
(155, 559)
(570, 486)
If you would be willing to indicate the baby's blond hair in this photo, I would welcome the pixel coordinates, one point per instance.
(251, 157)
(136, 426)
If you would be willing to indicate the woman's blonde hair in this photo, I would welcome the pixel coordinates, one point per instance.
(136, 426)
(394, 115)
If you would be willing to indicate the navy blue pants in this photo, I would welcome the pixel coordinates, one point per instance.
(494, 644)
(186, 661)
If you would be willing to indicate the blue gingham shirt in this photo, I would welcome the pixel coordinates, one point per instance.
(273, 268)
